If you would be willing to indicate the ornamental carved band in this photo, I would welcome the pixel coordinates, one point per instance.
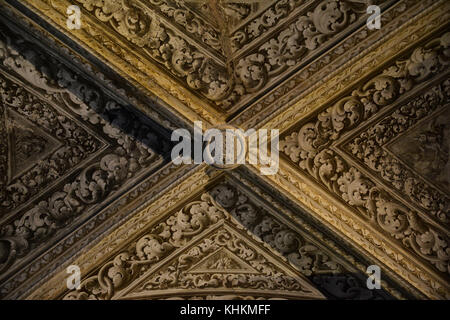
(224, 205)
(224, 82)
(315, 149)
(87, 113)
(52, 84)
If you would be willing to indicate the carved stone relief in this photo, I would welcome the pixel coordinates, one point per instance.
(315, 149)
(425, 149)
(369, 148)
(25, 141)
(36, 158)
(69, 147)
(302, 82)
(78, 165)
(225, 82)
(203, 247)
(224, 262)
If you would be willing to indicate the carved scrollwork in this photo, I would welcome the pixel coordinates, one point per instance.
(178, 275)
(163, 45)
(193, 219)
(264, 22)
(173, 233)
(142, 27)
(78, 144)
(194, 25)
(291, 44)
(135, 145)
(309, 148)
(369, 148)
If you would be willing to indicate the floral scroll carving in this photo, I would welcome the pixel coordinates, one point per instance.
(369, 148)
(222, 203)
(145, 30)
(310, 148)
(78, 145)
(190, 22)
(218, 82)
(133, 144)
(263, 275)
(291, 44)
(264, 22)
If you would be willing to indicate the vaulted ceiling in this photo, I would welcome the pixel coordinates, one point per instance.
(86, 177)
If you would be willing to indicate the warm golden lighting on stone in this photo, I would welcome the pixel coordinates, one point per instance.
(87, 111)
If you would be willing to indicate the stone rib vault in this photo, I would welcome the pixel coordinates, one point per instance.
(86, 178)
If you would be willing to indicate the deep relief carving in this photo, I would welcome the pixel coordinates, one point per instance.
(135, 144)
(297, 86)
(336, 283)
(307, 258)
(224, 261)
(432, 157)
(197, 27)
(291, 44)
(142, 28)
(222, 203)
(26, 144)
(149, 249)
(310, 149)
(264, 22)
(77, 240)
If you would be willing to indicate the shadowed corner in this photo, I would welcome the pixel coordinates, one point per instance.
(130, 146)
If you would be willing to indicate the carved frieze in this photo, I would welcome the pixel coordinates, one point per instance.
(225, 82)
(364, 171)
(202, 247)
(429, 160)
(315, 149)
(223, 261)
(97, 145)
(36, 159)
